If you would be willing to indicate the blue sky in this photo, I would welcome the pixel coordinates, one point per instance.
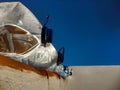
(88, 29)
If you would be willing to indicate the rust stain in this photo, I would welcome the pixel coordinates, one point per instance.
(53, 74)
(6, 61)
(14, 29)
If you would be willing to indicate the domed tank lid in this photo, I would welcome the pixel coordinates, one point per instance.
(16, 13)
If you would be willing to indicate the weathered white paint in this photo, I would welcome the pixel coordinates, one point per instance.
(17, 13)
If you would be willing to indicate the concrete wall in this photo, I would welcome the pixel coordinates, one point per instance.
(15, 75)
(83, 78)
(95, 78)
(19, 76)
(11, 79)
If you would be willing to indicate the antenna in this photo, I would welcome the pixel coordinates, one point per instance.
(47, 18)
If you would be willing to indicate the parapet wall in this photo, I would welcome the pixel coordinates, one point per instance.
(95, 78)
(18, 76)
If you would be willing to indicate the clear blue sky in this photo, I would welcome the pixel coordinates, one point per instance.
(88, 29)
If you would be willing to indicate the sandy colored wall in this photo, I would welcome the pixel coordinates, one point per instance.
(11, 79)
(15, 75)
(95, 78)
(19, 76)
(84, 78)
